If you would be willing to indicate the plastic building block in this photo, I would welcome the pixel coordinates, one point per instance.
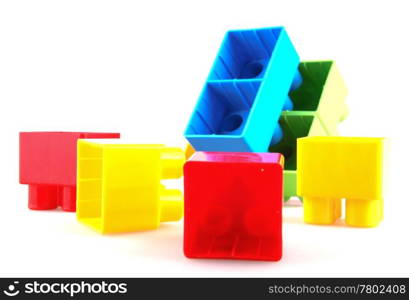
(233, 204)
(245, 92)
(48, 164)
(333, 168)
(119, 186)
(319, 105)
(189, 150)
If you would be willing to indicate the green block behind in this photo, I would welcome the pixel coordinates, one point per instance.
(319, 105)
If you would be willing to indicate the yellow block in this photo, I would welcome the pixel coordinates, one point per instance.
(189, 151)
(119, 186)
(332, 168)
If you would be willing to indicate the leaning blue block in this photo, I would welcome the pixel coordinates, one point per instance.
(245, 92)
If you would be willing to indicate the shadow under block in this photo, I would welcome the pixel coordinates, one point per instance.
(233, 206)
(333, 168)
(119, 186)
(48, 164)
(247, 88)
(319, 105)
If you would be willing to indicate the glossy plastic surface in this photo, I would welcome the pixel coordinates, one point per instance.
(48, 164)
(319, 105)
(233, 204)
(247, 88)
(189, 150)
(119, 186)
(332, 168)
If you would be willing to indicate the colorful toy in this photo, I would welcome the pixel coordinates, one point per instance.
(119, 186)
(257, 98)
(247, 88)
(233, 204)
(319, 105)
(332, 168)
(48, 164)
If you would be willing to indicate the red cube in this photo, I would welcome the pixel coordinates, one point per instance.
(233, 205)
(48, 164)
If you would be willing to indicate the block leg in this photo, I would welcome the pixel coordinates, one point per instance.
(171, 205)
(172, 160)
(42, 197)
(364, 213)
(68, 198)
(318, 210)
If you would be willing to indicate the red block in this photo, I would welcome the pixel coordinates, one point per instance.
(48, 164)
(233, 205)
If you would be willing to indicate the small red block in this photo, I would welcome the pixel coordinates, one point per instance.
(48, 164)
(233, 205)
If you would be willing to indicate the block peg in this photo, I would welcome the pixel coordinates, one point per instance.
(172, 160)
(320, 210)
(171, 205)
(42, 197)
(363, 213)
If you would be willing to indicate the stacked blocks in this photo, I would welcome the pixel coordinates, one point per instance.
(233, 204)
(247, 88)
(332, 168)
(318, 106)
(259, 106)
(48, 166)
(119, 186)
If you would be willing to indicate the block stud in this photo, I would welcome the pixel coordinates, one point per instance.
(320, 210)
(363, 213)
(171, 205)
(172, 159)
(42, 197)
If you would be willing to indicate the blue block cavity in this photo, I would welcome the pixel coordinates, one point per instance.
(245, 92)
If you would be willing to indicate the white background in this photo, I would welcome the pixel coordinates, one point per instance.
(137, 67)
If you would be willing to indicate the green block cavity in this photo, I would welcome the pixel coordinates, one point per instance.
(319, 105)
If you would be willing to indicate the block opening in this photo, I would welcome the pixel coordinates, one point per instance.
(223, 108)
(314, 76)
(231, 122)
(293, 127)
(252, 70)
(89, 185)
(245, 54)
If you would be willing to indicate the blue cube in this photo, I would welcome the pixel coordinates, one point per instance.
(245, 92)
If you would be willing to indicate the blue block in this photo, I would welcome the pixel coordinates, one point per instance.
(245, 92)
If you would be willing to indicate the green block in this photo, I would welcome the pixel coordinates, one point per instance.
(319, 105)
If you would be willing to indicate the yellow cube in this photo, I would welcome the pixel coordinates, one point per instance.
(119, 186)
(332, 168)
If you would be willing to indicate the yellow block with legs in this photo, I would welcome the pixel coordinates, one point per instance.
(332, 168)
(119, 186)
